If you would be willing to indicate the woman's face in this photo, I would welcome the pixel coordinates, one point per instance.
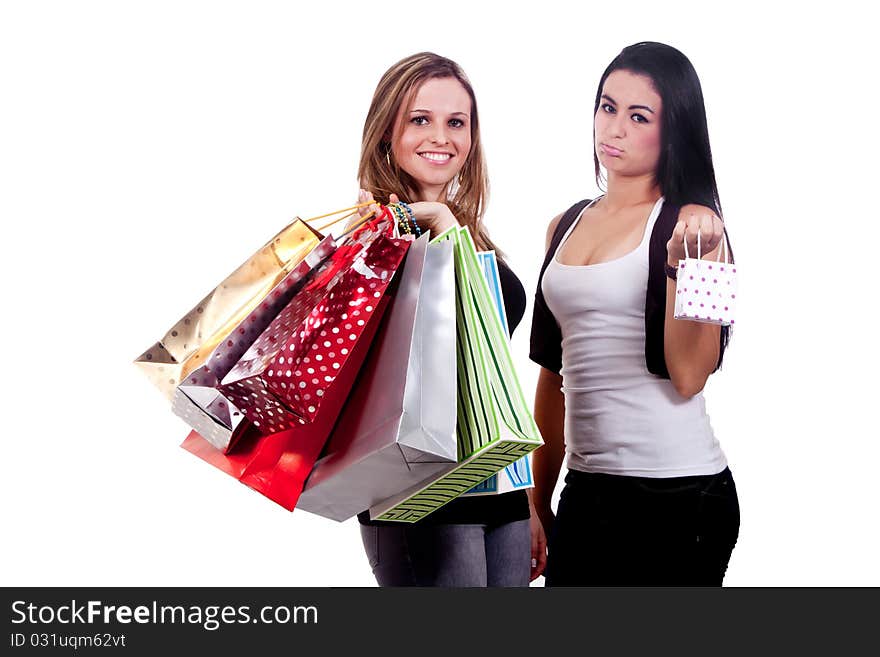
(432, 135)
(627, 125)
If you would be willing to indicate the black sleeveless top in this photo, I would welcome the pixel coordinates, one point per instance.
(484, 509)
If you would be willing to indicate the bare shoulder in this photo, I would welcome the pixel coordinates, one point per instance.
(551, 229)
(554, 223)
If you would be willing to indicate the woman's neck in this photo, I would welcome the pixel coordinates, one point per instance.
(628, 191)
(431, 194)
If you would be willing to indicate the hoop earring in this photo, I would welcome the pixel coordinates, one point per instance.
(453, 187)
(388, 157)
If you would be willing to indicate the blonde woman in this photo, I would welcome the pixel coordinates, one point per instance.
(421, 144)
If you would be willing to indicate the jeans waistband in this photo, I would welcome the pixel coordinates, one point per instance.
(577, 478)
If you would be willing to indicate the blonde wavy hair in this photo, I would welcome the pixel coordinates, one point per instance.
(378, 173)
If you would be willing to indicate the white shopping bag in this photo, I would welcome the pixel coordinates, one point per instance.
(705, 290)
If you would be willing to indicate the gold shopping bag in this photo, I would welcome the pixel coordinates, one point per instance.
(186, 344)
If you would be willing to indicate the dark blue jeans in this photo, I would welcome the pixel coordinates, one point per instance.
(463, 555)
(613, 530)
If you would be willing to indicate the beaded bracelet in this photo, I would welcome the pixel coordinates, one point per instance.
(404, 221)
(412, 218)
(400, 216)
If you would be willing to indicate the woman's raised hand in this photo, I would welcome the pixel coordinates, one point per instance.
(363, 197)
(431, 215)
(694, 221)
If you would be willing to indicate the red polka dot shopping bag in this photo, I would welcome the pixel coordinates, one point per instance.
(705, 290)
(291, 383)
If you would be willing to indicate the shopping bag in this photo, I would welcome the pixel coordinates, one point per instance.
(197, 399)
(187, 344)
(705, 290)
(494, 425)
(398, 427)
(292, 382)
(517, 475)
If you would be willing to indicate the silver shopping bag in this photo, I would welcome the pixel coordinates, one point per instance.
(397, 428)
(495, 425)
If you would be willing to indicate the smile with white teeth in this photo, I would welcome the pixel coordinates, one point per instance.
(436, 157)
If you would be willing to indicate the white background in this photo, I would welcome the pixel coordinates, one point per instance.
(146, 149)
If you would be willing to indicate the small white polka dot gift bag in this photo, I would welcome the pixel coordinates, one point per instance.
(705, 290)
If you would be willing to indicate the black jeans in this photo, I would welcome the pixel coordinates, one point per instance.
(613, 530)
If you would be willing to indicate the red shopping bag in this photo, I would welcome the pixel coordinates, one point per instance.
(292, 383)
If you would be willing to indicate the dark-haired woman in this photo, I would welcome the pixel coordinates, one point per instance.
(648, 498)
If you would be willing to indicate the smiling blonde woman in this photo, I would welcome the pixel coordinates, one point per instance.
(421, 144)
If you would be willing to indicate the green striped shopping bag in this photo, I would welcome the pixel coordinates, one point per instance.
(495, 427)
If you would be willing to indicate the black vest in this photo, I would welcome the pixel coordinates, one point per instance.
(546, 338)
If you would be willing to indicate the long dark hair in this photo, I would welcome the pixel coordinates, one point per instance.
(685, 173)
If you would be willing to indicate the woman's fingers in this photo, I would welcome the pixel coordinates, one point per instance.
(678, 231)
(707, 236)
(691, 231)
(539, 560)
(717, 230)
(373, 207)
(538, 547)
(711, 231)
(363, 197)
(704, 226)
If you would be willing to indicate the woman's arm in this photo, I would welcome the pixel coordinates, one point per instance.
(547, 460)
(550, 418)
(432, 216)
(691, 348)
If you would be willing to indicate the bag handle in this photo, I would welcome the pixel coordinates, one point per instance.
(351, 211)
(723, 250)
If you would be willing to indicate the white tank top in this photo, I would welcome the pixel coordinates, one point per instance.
(619, 418)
